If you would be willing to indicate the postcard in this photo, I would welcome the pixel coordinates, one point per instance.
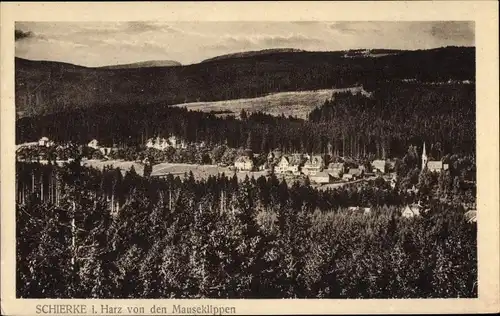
(249, 158)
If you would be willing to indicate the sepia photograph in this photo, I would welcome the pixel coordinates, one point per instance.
(255, 160)
(298, 159)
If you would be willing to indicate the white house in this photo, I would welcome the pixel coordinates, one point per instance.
(313, 165)
(379, 165)
(243, 163)
(411, 211)
(93, 144)
(321, 178)
(471, 216)
(105, 150)
(45, 142)
(157, 143)
(289, 164)
(435, 166)
(336, 169)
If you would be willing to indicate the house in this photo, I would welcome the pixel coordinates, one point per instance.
(93, 144)
(313, 165)
(347, 177)
(243, 163)
(157, 143)
(45, 142)
(411, 211)
(471, 216)
(432, 165)
(105, 150)
(356, 173)
(435, 166)
(367, 210)
(289, 164)
(321, 178)
(176, 142)
(379, 165)
(336, 169)
(264, 167)
(413, 189)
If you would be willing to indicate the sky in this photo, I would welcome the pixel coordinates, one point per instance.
(96, 44)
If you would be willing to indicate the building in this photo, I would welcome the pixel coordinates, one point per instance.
(243, 163)
(157, 143)
(93, 144)
(379, 165)
(313, 165)
(435, 166)
(45, 142)
(321, 178)
(431, 165)
(356, 173)
(105, 150)
(289, 164)
(471, 216)
(347, 177)
(176, 142)
(411, 211)
(336, 169)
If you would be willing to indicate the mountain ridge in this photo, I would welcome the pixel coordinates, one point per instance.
(45, 86)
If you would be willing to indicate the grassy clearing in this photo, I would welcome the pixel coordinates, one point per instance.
(297, 104)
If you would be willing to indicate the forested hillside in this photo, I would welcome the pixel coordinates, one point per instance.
(83, 233)
(396, 116)
(44, 87)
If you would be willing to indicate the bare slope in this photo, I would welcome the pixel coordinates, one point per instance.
(296, 103)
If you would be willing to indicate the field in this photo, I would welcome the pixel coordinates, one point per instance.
(298, 103)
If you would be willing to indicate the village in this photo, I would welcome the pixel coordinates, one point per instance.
(321, 171)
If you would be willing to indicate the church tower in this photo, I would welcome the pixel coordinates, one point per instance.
(424, 158)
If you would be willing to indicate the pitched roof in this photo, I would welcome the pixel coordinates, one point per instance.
(471, 216)
(294, 159)
(434, 164)
(354, 171)
(414, 208)
(378, 163)
(320, 175)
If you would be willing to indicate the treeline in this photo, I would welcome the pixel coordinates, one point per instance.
(44, 87)
(223, 239)
(398, 115)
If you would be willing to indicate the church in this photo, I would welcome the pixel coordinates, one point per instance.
(432, 165)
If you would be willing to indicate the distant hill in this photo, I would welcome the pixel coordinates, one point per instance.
(145, 64)
(254, 53)
(46, 87)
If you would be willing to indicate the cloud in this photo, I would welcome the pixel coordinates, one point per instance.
(352, 28)
(456, 30)
(20, 35)
(265, 41)
(142, 27)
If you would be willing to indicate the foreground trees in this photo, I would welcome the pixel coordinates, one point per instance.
(114, 236)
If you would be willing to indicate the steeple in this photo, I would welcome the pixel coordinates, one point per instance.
(424, 158)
